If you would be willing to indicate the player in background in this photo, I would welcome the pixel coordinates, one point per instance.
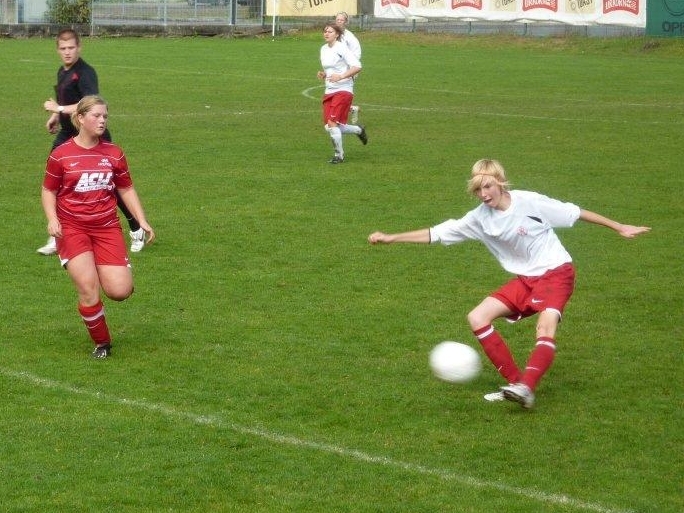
(517, 227)
(340, 66)
(352, 42)
(76, 79)
(79, 198)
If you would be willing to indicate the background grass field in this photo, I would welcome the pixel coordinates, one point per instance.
(271, 360)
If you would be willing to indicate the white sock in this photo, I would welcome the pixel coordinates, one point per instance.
(336, 136)
(350, 129)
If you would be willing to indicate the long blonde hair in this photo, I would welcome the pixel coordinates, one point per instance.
(485, 169)
(83, 106)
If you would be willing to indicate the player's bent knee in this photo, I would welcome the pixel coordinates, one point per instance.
(547, 323)
(119, 297)
(475, 320)
(119, 293)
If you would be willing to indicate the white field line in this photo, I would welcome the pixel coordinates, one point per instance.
(283, 439)
(309, 94)
(223, 73)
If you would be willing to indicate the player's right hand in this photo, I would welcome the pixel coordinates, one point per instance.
(376, 237)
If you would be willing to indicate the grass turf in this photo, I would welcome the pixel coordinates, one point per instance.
(270, 360)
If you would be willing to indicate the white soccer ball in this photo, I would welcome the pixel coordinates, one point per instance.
(455, 362)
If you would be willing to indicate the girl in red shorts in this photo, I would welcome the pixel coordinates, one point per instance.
(340, 67)
(79, 201)
(517, 228)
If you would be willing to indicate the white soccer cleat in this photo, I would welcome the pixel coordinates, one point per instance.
(494, 397)
(354, 114)
(519, 393)
(49, 249)
(137, 240)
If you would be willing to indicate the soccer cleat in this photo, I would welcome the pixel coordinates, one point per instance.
(519, 393)
(336, 160)
(49, 249)
(354, 111)
(103, 351)
(137, 240)
(494, 397)
(363, 135)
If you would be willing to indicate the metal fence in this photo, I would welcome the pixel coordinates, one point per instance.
(137, 12)
(176, 12)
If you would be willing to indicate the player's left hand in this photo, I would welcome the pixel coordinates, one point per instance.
(149, 233)
(628, 231)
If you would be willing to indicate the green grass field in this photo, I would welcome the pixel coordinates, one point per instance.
(271, 360)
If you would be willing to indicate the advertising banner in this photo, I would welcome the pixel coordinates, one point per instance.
(665, 18)
(319, 8)
(573, 12)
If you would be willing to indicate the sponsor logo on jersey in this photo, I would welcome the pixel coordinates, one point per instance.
(94, 181)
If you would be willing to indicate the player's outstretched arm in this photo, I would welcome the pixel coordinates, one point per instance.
(421, 236)
(626, 230)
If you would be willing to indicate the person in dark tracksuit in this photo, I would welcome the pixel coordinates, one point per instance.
(76, 79)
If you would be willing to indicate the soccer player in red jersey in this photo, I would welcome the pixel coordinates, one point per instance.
(79, 197)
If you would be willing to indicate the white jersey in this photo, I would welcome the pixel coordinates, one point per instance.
(336, 60)
(349, 39)
(521, 237)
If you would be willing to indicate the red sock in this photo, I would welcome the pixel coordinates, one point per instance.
(539, 362)
(94, 319)
(498, 353)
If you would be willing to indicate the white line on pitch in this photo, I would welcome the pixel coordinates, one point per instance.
(215, 421)
(308, 93)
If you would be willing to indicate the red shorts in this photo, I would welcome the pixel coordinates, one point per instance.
(107, 244)
(336, 107)
(526, 295)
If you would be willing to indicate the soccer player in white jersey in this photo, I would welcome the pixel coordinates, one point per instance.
(340, 66)
(517, 228)
(352, 42)
(348, 38)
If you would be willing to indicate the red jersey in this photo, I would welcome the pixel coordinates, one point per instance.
(85, 180)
